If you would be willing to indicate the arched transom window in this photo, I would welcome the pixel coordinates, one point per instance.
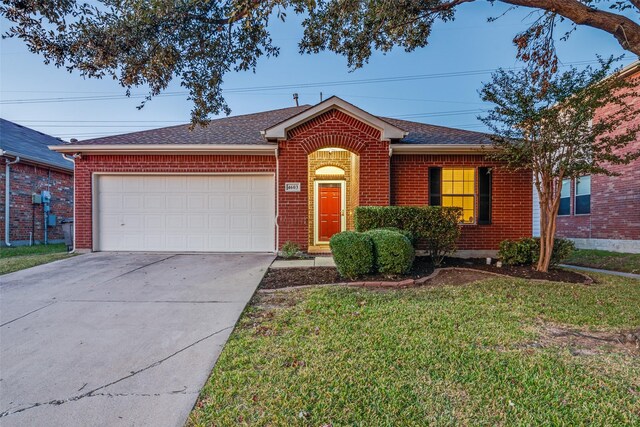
(329, 170)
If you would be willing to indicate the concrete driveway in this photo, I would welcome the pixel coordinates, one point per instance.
(117, 338)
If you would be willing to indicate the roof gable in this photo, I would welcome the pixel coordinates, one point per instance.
(387, 130)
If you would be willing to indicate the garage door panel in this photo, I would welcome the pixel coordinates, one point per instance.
(218, 222)
(186, 213)
(240, 184)
(175, 221)
(176, 184)
(131, 201)
(218, 202)
(153, 221)
(197, 201)
(177, 202)
(111, 186)
(154, 202)
(111, 199)
(150, 184)
(239, 202)
(260, 202)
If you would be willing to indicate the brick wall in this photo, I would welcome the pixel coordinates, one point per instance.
(27, 218)
(331, 129)
(615, 200)
(151, 163)
(381, 180)
(511, 196)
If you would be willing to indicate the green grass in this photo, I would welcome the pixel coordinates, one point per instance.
(21, 257)
(32, 250)
(629, 263)
(450, 355)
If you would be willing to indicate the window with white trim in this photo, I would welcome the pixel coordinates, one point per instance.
(582, 200)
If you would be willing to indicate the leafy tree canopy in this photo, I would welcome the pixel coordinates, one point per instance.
(148, 43)
(571, 124)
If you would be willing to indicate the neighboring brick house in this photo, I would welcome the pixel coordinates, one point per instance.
(254, 182)
(603, 212)
(32, 168)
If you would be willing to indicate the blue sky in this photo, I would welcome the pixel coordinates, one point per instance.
(452, 67)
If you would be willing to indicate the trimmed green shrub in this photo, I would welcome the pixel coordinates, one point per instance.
(562, 250)
(289, 249)
(526, 251)
(406, 233)
(393, 252)
(518, 252)
(352, 253)
(437, 227)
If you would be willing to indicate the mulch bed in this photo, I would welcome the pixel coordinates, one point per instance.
(525, 272)
(277, 278)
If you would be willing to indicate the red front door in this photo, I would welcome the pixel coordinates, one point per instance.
(329, 211)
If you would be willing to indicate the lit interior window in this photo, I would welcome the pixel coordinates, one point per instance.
(329, 170)
(458, 190)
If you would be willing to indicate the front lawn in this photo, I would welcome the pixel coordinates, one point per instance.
(616, 261)
(500, 351)
(21, 257)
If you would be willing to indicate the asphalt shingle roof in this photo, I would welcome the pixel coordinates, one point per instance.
(422, 133)
(246, 129)
(243, 129)
(31, 145)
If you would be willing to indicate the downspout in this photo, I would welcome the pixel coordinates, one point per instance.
(7, 197)
(72, 160)
(277, 200)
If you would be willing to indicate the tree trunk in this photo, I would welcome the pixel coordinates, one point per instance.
(549, 195)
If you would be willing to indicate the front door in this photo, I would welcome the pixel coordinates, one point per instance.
(329, 210)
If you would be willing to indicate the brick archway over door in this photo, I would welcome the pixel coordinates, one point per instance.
(331, 129)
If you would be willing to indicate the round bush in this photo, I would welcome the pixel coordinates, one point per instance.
(406, 233)
(352, 253)
(393, 252)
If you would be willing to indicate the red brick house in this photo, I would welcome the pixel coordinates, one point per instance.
(602, 212)
(254, 182)
(28, 169)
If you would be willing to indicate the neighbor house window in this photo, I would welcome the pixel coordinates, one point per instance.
(583, 195)
(565, 198)
(458, 190)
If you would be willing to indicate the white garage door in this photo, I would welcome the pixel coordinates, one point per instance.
(196, 213)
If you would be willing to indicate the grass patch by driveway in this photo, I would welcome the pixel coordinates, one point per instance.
(21, 257)
(476, 354)
(616, 261)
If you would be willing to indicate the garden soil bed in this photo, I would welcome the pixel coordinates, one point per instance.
(277, 278)
(522, 271)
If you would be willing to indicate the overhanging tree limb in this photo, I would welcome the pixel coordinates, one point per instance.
(626, 31)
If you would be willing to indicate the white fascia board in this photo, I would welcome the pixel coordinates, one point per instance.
(166, 149)
(400, 149)
(387, 130)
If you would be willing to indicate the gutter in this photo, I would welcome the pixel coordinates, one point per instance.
(255, 149)
(399, 149)
(7, 196)
(38, 162)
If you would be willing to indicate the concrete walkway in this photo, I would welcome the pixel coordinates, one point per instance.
(117, 339)
(320, 261)
(597, 270)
